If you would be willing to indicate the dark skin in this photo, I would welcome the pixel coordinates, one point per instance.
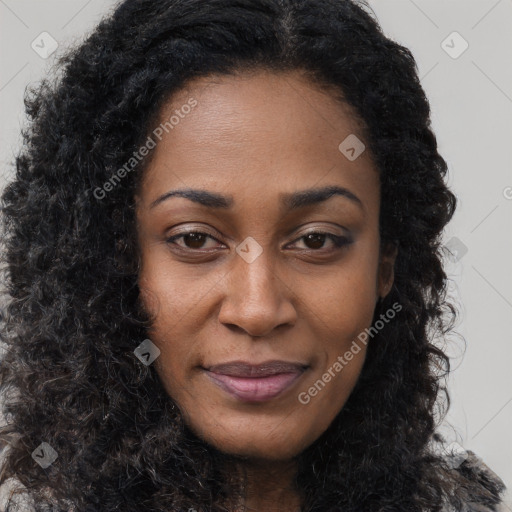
(254, 138)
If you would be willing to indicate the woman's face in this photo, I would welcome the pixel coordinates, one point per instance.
(253, 285)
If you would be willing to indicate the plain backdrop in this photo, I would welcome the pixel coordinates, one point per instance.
(462, 49)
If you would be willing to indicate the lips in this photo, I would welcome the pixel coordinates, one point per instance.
(255, 382)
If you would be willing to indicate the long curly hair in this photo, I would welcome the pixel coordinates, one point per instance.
(73, 316)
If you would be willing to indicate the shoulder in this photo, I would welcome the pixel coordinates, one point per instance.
(478, 488)
(12, 490)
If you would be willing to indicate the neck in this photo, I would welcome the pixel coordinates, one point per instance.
(269, 486)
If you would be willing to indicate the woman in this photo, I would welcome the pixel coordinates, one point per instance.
(223, 254)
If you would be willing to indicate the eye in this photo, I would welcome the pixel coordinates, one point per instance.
(314, 240)
(193, 239)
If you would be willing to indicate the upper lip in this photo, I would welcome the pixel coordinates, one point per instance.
(245, 369)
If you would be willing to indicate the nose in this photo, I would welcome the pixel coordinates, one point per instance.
(257, 298)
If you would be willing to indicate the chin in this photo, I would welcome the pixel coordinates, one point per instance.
(262, 444)
(267, 452)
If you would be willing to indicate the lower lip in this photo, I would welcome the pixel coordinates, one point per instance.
(254, 389)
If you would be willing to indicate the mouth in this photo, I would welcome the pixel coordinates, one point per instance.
(255, 383)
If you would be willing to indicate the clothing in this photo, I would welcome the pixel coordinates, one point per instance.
(483, 491)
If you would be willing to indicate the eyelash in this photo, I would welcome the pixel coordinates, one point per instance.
(338, 241)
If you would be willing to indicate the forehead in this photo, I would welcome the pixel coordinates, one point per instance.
(260, 134)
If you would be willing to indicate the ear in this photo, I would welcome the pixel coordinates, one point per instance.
(386, 272)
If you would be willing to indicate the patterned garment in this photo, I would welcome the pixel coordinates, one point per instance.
(484, 490)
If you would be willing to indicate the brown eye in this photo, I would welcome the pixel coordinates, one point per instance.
(316, 240)
(193, 240)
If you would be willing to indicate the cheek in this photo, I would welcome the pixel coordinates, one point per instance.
(172, 287)
(344, 302)
(344, 307)
(176, 302)
(160, 298)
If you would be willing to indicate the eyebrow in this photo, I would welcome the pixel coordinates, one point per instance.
(291, 201)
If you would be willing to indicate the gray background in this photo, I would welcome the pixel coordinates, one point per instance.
(471, 99)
